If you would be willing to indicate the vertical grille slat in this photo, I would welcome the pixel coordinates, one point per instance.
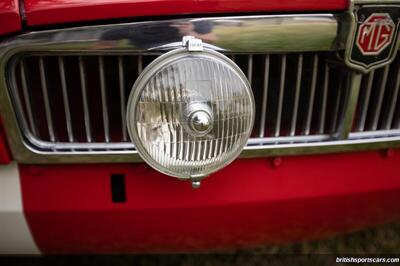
(350, 106)
(297, 95)
(324, 100)
(85, 100)
(122, 96)
(46, 100)
(67, 111)
(300, 98)
(393, 102)
(336, 107)
(104, 100)
(250, 69)
(140, 64)
(27, 99)
(264, 97)
(312, 94)
(380, 98)
(280, 96)
(365, 104)
(379, 109)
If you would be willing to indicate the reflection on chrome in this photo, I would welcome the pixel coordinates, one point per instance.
(273, 33)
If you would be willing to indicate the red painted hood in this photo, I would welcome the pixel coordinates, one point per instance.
(46, 12)
(10, 20)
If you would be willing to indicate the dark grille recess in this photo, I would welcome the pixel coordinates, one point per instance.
(73, 102)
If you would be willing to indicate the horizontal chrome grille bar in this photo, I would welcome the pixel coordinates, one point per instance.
(244, 34)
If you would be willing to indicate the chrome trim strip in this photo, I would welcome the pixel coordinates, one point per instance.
(385, 2)
(35, 157)
(250, 34)
(288, 139)
(322, 147)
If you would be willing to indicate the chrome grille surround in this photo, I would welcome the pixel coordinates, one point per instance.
(299, 109)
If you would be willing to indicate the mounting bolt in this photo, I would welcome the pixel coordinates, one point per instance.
(277, 161)
(196, 184)
(388, 153)
(192, 44)
(34, 170)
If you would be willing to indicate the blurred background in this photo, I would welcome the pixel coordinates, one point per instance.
(382, 241)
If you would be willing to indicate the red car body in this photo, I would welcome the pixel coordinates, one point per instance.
(251, 202)
(41, 12)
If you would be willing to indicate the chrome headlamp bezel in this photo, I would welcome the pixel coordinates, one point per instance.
(144, 78)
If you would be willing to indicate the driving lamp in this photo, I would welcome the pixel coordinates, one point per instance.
(190, 112)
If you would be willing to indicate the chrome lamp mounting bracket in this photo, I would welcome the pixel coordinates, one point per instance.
(192, 44)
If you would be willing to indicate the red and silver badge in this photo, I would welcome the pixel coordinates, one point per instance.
(373, 40)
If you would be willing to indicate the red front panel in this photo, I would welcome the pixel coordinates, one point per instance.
(44, 12)
(69, 208)
(10, 20)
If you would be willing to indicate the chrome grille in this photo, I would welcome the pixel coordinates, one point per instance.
(75, 102)
(299, 97)
(63, 92)
(70, 102)
(378, 106)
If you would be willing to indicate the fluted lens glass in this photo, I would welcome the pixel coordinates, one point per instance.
(193, 116)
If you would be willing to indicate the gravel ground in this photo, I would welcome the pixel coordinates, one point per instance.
(379, 242)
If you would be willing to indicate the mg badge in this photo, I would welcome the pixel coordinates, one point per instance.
(375, 34)
(373, 39)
